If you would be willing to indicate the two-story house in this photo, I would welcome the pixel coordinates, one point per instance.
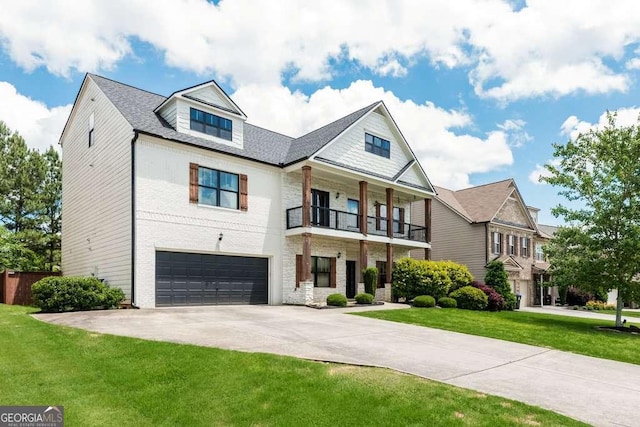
(480, 224)
(179, 200)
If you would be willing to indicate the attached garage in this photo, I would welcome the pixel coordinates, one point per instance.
(203, 279)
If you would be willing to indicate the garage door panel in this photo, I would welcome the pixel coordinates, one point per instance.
(204, 279)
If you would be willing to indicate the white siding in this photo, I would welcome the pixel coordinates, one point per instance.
(212, 95)
(414, 176)
(349, 147)
(183, 123)
(453, 238)
(165, 220)
(169, 113)
(96, 188)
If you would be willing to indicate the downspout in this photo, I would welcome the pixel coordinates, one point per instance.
(486, 243)
(133, 219)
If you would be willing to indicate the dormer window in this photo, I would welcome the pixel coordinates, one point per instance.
(377, 145)
(211, 124)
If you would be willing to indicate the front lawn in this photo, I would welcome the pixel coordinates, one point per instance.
(566, 333)
(625, 313)
(117, 381)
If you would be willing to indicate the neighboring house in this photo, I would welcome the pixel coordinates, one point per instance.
(489, 222)
(179, 201)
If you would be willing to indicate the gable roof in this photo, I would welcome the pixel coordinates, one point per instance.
(184, 92)
(305, 146)
(481, 203)
(137, 107)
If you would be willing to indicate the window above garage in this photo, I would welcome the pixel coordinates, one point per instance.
(219, 188)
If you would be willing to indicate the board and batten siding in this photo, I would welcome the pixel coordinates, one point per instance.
(96, 192)
(166, 220)
(453, 238)
(183, 123)
(349, 147)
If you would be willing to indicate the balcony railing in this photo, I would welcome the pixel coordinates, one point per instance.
(345, 221)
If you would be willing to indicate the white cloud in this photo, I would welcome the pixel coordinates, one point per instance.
(541, 171)
(543, 48)
(39, 125)
(448, 157)
(518, 137)
(572, 126)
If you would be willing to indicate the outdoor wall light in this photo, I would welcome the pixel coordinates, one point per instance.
(337, 195)
(220, 237)
(339, 255)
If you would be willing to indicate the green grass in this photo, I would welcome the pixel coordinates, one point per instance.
(117, 381)
(566, 333)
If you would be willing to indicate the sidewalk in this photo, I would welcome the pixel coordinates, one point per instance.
(569, 311)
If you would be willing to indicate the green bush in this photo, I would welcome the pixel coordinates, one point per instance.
(413, 277)
(458, 273)
(337, 300)
(370, 280)
(447, 302)
(364, 298)
(498, 279)
(424, 301)
(470, 298)
(55, 294)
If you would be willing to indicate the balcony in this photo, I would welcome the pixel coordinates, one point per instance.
(346, 221)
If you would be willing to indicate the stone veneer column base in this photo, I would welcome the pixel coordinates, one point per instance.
(301, 295)
(384, 294)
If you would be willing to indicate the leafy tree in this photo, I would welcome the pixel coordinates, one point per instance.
(599, 174)
(14, 254)
(497, 278)
(30, 195)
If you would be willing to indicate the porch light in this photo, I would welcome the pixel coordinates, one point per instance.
(220, 237)
(339, 255)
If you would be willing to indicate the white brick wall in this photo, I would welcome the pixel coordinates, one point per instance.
(165, 220)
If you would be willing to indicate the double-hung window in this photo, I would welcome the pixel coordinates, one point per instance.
(218, 188)
(512, 244)
(211, 124)
(496, 242)
(321, 271)
(539, 252)
(376, 145)
(524, 247)
(353, 208)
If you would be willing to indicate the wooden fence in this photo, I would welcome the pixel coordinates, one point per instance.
(15, 286)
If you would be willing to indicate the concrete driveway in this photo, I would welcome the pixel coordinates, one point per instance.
(597, 391)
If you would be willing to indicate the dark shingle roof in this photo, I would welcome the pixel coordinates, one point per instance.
(137, 105)
(262, 145)
(306, 145)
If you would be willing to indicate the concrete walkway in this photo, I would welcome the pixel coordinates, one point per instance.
(597, 391)
(564, 311)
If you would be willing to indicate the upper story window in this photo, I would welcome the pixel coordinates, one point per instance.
(211, 124)
(539, 252)
(217, 188)
(91, 128)
(353, 208)
(524, 247)
(377, 145)
(496, 242)
(512, 244)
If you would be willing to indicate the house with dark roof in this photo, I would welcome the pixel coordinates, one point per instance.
(489, 222)
(179, 200)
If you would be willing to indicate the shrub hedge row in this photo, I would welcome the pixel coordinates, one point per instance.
(56, 294)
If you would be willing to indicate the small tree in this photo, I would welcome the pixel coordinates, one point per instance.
(498, 279)
(370, 280)
(598, 173)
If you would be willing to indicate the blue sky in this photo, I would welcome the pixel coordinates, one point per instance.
(481, 89)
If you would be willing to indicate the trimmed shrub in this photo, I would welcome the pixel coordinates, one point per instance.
(370, 280)
(337, 300)
(446, 302)
(599, 305)
(495, 300)
(56, 294)
(498, 279)
(364, 298)
(458, 273)
(413, 277)
(424, 301)
(470, 298)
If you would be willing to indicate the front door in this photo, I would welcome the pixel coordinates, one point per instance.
(351, 279)
(320, 208)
